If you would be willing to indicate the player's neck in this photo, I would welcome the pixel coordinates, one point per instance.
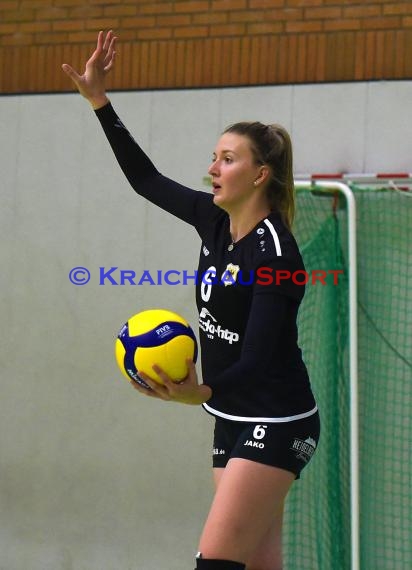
(242, 223)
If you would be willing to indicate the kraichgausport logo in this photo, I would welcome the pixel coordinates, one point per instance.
(232, 275)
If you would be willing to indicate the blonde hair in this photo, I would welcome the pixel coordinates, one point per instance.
(271, 146)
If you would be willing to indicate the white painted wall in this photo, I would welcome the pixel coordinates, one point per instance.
(92, 475)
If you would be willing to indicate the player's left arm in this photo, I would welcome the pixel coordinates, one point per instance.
(274, 301)
(267, 316)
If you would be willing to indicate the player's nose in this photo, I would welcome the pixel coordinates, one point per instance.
(213, 169)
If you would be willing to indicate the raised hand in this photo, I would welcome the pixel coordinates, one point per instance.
(92, 83)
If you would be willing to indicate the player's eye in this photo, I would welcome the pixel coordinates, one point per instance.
(228, 159)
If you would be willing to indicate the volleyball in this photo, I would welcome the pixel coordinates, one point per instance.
(155, 336)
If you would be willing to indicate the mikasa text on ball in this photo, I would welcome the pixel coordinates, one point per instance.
(155, 336)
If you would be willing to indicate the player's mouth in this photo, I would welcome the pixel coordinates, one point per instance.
(216, 187)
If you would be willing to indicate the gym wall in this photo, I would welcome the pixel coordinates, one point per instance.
(202, 43)
(93, 476)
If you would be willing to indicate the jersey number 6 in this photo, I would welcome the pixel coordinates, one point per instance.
(259, 432)
(207, 282)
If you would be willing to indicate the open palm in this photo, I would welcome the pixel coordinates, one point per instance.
(91, 84)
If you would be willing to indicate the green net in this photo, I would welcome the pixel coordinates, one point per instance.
(317, 521)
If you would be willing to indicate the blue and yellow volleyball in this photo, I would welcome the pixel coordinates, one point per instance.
(155, 336)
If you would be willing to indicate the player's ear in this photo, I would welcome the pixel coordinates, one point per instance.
(263, 175)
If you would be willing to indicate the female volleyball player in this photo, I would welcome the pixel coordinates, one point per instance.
(254, 380)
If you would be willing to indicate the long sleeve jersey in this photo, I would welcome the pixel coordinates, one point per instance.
(247, 294)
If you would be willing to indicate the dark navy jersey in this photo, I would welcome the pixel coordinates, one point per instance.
(247, 294)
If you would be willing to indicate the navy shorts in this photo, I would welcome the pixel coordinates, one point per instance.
(288, 445)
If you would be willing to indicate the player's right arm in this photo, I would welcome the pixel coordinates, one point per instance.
(185, 203)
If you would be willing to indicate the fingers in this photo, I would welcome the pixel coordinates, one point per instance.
(102, 46)
(110, 52)
(192, 374)
(145, 391)
(102, 58)
(71, 72)
(186, 391)
(109, 59)
(163, 376)
(155, 389)
(104, 52)
(191, 366)
(101, 41)
(107, 40)
(99, 49)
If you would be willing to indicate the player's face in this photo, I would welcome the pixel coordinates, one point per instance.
(233, 171)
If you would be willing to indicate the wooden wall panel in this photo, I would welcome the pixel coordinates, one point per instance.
(201, 43)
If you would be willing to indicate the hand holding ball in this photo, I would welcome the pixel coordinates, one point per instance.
(155, 336)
